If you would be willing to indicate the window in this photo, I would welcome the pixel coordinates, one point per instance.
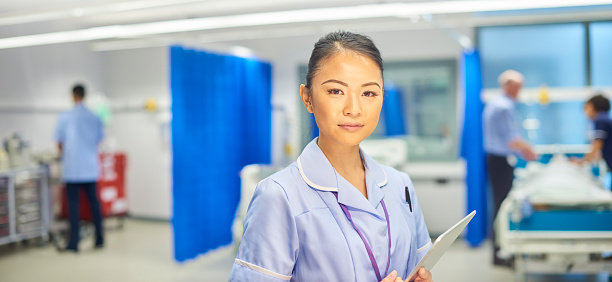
(554, 55)
(428, 93)
(601, 53)
(555, 123)
(551, 54)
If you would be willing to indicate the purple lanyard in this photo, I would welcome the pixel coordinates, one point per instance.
(367, 246)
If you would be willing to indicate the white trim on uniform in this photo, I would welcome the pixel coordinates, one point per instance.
(600, 134)
(262, 270)
(312, 184)
(330, 189)
(421, 249)
(384, 181)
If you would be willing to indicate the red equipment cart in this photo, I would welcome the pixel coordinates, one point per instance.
(111, 189)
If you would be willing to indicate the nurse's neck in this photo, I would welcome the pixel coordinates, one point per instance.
(346, 161)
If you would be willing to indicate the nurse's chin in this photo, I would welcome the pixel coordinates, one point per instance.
(351, 140)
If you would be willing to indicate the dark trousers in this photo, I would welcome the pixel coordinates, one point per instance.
(72, 191)
(501, 175)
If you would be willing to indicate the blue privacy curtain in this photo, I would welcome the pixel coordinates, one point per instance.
(314, 129)
(393, 111)
(472, 148)
(221, 121)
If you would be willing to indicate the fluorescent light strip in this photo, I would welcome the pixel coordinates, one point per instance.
(38, 17)
(89, 11)
(205, 38)
(285, 17)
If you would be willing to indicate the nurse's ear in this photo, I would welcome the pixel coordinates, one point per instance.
(306, 98)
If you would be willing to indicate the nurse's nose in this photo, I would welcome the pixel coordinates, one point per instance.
(352, 105)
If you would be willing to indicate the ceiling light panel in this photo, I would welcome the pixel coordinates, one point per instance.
(286, 17)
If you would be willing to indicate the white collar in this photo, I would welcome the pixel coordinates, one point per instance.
(318, 173)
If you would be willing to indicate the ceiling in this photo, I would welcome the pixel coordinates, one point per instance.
(29, 17)
(98, 12)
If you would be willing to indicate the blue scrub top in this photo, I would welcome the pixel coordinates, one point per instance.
(499, 126)
(602, 126)
(295, 230)
(79, 131)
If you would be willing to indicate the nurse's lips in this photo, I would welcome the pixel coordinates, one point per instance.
(351, 126)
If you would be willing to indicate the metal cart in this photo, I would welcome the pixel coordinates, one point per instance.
(24, 205)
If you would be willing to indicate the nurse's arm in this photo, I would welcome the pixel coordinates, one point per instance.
(595, 152)
(270, 244)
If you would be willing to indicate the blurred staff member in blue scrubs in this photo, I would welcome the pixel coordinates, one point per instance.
(502, 142)
(78, 134)
(335, 214)
(597, 109)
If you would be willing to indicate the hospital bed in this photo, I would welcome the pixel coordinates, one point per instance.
(557, 219)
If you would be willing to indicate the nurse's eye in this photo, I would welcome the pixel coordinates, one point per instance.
(370, 94)
(335, 91)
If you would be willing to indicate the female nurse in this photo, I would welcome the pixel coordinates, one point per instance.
(335, 214)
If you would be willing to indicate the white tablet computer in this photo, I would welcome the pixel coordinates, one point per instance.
(440, 246)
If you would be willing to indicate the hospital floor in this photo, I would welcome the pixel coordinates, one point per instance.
(142, 252)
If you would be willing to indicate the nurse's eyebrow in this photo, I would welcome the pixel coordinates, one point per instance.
(344, 83)
(336, 81)
(371, 83)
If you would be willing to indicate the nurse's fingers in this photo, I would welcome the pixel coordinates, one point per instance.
(423, 276)
(391, 277)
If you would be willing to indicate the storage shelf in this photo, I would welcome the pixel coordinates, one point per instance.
(24, 202)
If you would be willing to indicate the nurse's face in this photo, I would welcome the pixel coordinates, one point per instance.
(346, 97)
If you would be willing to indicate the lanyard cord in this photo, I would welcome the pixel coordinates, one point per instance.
(367, 246)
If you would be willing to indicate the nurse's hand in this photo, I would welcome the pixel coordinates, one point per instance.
(423, 275)
(577, 161)
(392, 277)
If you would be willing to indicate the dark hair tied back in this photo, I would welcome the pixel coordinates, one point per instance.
(338, 41)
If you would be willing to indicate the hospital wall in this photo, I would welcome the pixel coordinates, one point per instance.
(36, 84)
(131, 77)
(42, 77)
(38, 79)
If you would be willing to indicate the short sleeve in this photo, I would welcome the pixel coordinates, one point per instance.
(600, 130)
(423, 239)
(270, 244)
(60, 130)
